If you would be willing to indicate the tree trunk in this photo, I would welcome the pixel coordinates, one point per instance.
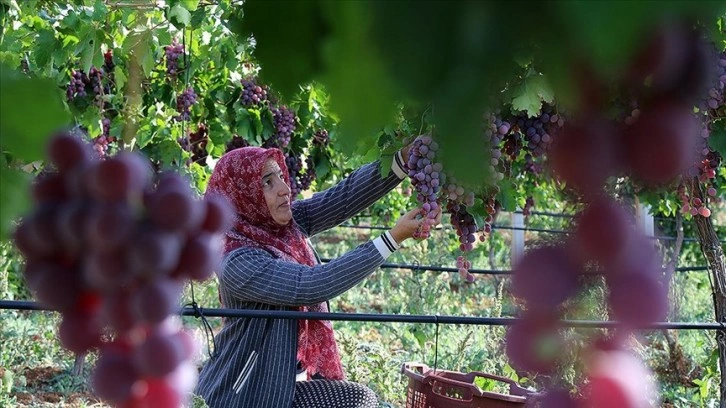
(713, 252)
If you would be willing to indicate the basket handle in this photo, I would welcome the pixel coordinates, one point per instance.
(472, 390)
(409, 370)
(514, 387)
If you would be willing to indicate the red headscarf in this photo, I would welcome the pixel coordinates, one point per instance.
(238, 176)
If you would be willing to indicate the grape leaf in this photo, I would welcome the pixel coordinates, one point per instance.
(46, 45)
(23, 131)
(179, 16)
(289, 50)
(529, 95)
(15, 198)
(322, 168)
(507, 195)
(386, 163)
(100, 11)
(717, 140)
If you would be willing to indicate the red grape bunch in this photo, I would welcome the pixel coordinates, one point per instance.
(236, 142)
(184, 102)
(95, 76)
(252, 93)
(101, 142)
(426, 178)
(294, 167)
(299, 180)
(77, 86)
(305, 180)
(111, 253)
(285, 121)
(108, 64)
(172, 53)
(545, 278)
(495, 130)
(321, 138)
(197, 144)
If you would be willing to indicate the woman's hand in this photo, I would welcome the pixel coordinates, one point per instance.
(404, 152)
(410, 223)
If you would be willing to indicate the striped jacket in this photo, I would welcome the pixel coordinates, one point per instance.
(253, 278)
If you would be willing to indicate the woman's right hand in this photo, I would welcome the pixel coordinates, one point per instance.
(409, 223)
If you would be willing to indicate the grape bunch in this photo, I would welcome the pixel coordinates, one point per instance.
(236, 142)
(537, 135)
(713, 101)
(95, 76)
(465, 227)
(172, 53)
(111, 253)
(547, 277)
(285, 120)
(294, 167)
(299, 181)
(528, 204)
(305, 180)
(252, 93)
(184, 102)
(198, 141)
(108, 64)
(426, 178)
(321, 137)
(101, 142)
(495, 130)
(77, 86)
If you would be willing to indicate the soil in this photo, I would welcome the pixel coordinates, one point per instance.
(38, 391)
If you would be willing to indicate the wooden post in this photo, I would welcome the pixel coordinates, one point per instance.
(714, 254)
(517, 236)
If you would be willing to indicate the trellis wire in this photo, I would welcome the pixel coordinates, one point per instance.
(394, 318)
(434, 268)
(506, 227)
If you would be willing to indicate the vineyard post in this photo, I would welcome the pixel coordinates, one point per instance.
(713, 252)
(517, 219)
(645, 220)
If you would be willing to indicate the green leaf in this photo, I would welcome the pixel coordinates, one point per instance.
(717, 140)
(256, 119)
(190, 5)
(179, 16)
(419, 335)
(386, 163)
(23, 131)
(529, 95)
(289, 49)
(198, 17)
(15, 198)
(45, 45)
(144, 135)
(354, 67)
(100, 11)
(507, 195)
(119, 75)
(322, 168)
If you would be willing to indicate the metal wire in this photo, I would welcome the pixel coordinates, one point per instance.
(395, 318)
(506, 227)
(433, 268)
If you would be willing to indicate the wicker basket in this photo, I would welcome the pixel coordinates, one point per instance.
(451, 389)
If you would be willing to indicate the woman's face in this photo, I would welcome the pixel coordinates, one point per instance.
(277, 192)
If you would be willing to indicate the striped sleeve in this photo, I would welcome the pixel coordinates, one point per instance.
(254, 275)
(362, 188)
(386, 245)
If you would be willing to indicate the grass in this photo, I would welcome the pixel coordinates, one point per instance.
(36, 372)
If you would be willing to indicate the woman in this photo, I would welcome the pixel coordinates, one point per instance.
(269, 265)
